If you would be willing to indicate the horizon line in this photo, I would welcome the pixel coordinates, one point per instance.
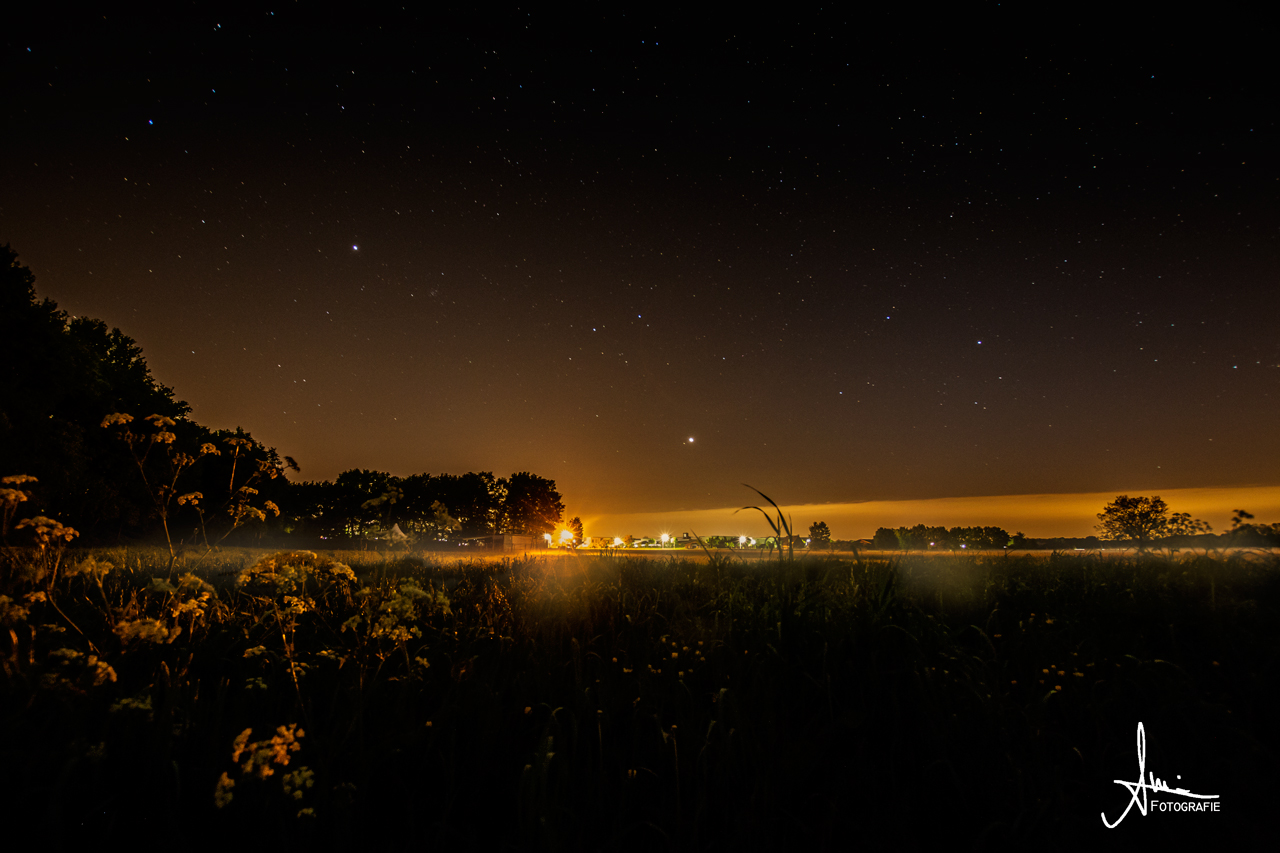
(1072, 514)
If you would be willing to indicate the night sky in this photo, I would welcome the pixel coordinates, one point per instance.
(840, 255)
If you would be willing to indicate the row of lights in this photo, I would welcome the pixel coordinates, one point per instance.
(665, 538)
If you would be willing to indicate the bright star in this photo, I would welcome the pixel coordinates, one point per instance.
(356, 248)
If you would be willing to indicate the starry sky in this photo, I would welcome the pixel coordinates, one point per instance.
(842, 255)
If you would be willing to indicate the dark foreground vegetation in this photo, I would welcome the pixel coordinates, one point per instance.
(294, 701)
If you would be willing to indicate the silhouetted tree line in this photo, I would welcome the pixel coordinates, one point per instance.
(1144, 522)
(115, 454)
(362, 503)
(923, 538)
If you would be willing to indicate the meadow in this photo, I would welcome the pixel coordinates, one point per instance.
(296, 700)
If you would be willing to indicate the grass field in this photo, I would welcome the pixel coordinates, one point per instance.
(302, 700)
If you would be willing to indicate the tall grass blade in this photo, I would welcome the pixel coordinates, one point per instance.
(781, 526)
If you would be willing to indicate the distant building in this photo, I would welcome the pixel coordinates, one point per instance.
(510, 542)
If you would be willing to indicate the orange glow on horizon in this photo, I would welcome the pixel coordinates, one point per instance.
(1038, 516)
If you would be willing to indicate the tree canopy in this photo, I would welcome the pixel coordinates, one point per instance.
(64, 378)
(532, 505)
(819, 534)
(1142, 520)
(922, 538)
(113, 452)
(441, 506)
(1137, 519)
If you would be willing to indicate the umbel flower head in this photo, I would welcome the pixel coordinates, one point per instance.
(259, 755)
(12, 496)
(47, 530)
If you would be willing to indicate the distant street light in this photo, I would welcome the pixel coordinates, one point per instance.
(665, 539)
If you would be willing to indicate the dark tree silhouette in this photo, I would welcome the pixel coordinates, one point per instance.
(1182, 524)
(61, 377)
(819, 535)
(886, 539)
(1138, 519)
(532, 505)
